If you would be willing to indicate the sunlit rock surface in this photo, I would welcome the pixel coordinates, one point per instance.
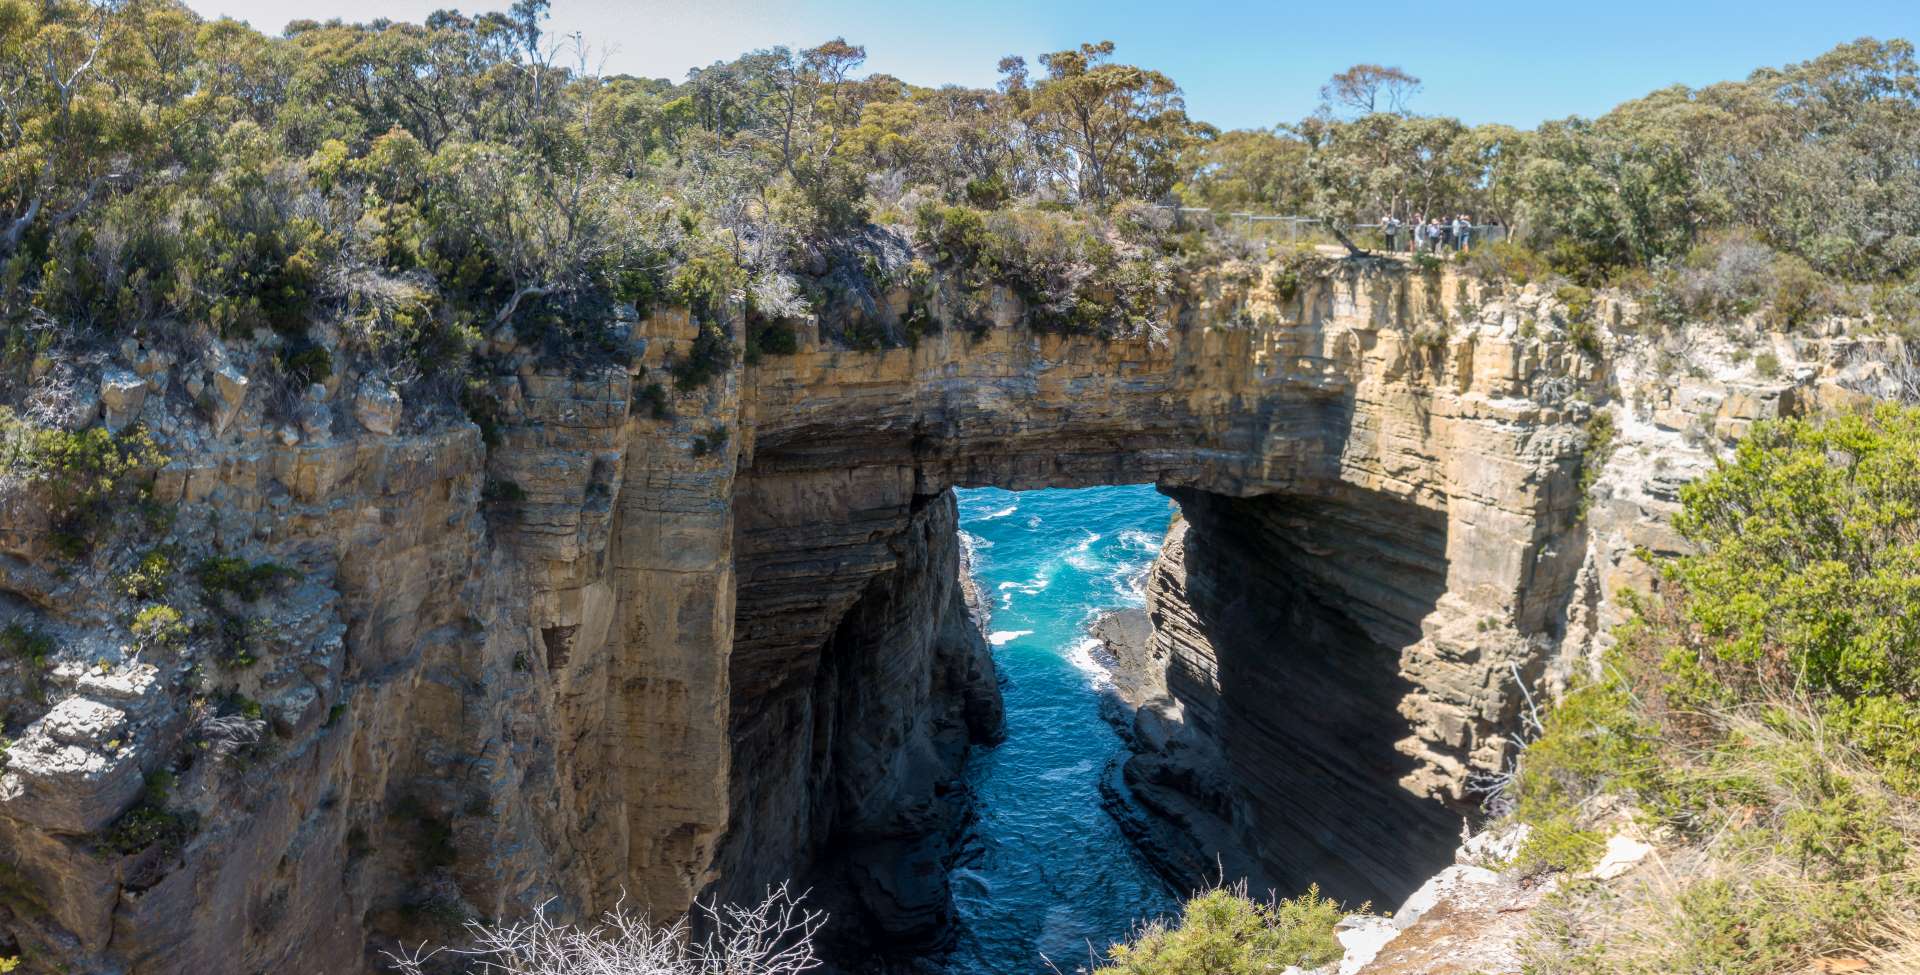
(602, 648)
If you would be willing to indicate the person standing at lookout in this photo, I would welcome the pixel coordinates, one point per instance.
(1462, 231)
(1391, 227)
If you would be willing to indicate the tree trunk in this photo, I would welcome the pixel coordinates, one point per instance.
(1353, 250)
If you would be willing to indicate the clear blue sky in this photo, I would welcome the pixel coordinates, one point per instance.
(1242, 63)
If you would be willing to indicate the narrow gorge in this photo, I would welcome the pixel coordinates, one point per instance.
(626, 639)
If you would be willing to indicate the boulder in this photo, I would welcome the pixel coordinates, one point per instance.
(229, 395)
(376, 404)
(72, 772)
(123, 394)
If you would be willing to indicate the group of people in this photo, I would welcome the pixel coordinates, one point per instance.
(1428, 235)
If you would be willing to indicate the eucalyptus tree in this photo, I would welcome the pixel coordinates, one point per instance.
(1122, 128)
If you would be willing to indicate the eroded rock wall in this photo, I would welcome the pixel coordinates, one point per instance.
(857, 735)
(635, 638)
(1328, 668)
(1283, 623)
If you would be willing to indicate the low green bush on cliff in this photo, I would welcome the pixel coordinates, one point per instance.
(1076, 273)
(149, 822)
(1225, 932)
(26, 644)
(1759, 713)
(85, 476)
(247, 581)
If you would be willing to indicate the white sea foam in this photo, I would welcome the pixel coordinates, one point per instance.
(1082, 556)
(1140, 541)
(999, 637)
(1081, 656)
(1130, 584)
(1002, 513)
(1031, 587)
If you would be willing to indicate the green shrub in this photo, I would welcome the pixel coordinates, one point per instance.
(1766, 365)
(1223, 932)
(654, 397)
(30, 645)
(956, 235)
(307, 364)
(243, 639)
(1557, 842)
(988, 193)
(1595, 449)
(149, 576)
(1592, 742)
(88, 475)
(150, 822)
(1800, 294)
(1074, 273)
(1804, 572)
(1505, 260)
(1585, 336)
(1577, 301)
(1758, 716)
(778, 338)
(160, 627)
(714, 439)
(708, 281)
(238, 577)
(710, 355)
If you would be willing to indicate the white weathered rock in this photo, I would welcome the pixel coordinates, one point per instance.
(1438, 886)
(135, 690)
(72, 772)
(85, 407)
(1362, 935)
(80, 721)
(376, 404)
(1623, 854)
(229, 395)
(123, 394)
(1494, 847)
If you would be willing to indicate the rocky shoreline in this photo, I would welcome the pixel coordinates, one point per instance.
(1168, 794)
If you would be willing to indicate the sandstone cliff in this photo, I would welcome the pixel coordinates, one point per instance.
(1294, 637)
(671, 643)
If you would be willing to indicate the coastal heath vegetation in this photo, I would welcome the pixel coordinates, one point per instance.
(415, 187)
(1758, 718)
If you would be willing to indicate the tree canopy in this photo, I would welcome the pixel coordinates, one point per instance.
(418, 184)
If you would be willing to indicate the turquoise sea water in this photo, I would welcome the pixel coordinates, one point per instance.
(1045, 871)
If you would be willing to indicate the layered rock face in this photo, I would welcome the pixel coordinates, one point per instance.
(1316, 668)
(856, 735)
(1279, 741)
(701, 648)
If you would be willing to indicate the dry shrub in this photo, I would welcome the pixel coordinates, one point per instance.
(1778, 846)
(774, 937)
